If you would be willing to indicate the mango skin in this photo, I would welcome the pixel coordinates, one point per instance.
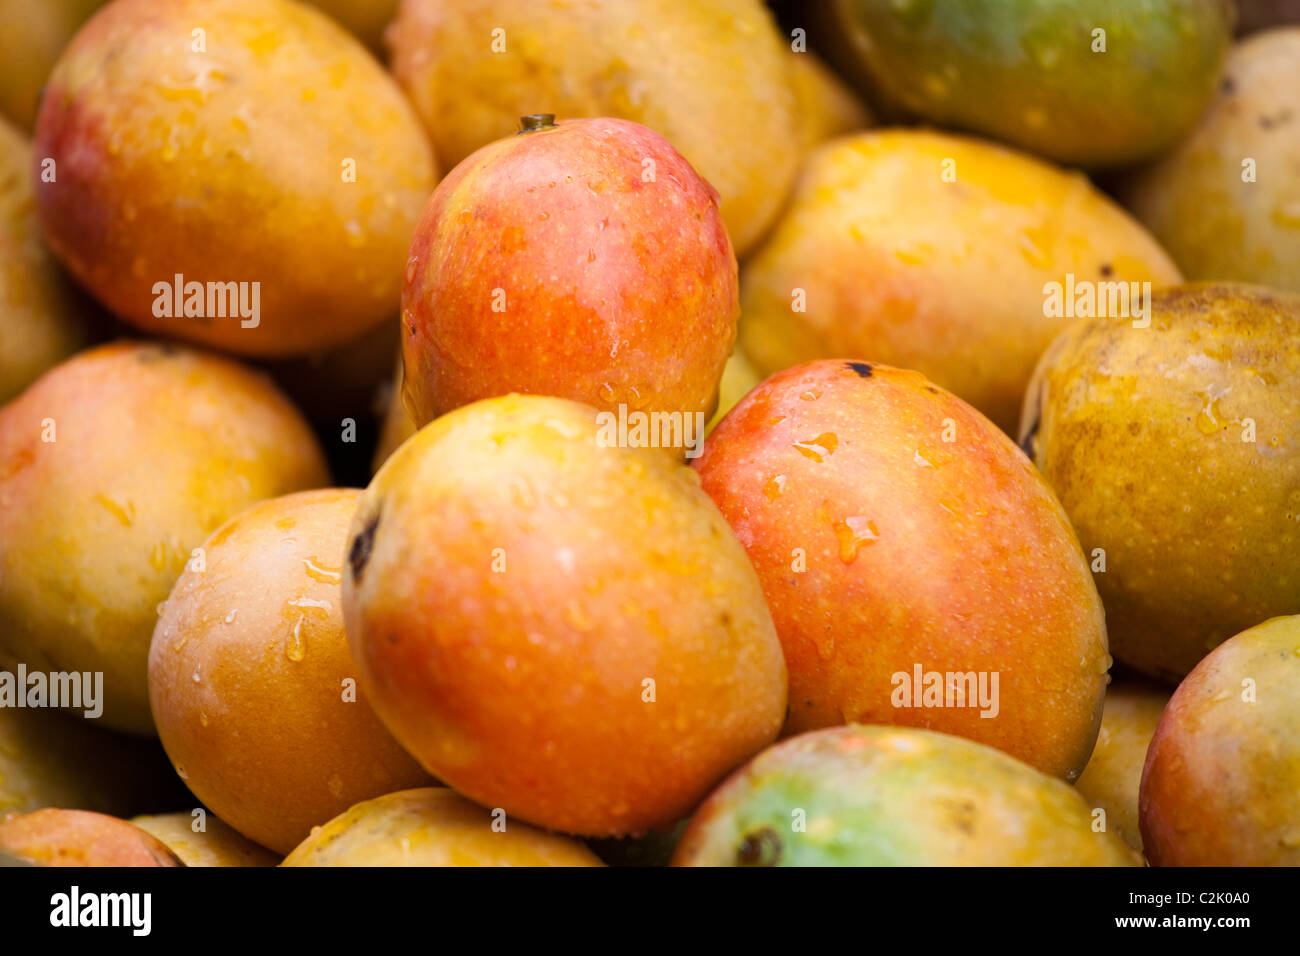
(1221, 785)
(898, 266)
(546, 264)
(894, 796)
(216, 845)
(247, 670)
(525, 687)
(709, 77)
(1025, 73)
(395, 427)
(1114, 773)
(229, 166)
(364, 19)
(825, 107)
(432, 827)
(738, 380)
(1215, 225)
(76, 838)
(1141, 432)
(48, 759)
(880, 546)
(32, 34)
(43, 319)
(155, 446)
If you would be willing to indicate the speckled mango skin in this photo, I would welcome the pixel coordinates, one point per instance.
(49, 759)
(1214, 224)
(894, 796)
(1114, 773)
(711, 78)
(545, 264)
(155, 446)
(1026, 72)
(246, 676)
(216, 845)
(229, 166)
(952, 555)
(1221, 786)
(1140, 431)
(898, 266)
(433, 827)
(512, 585)
(77, 838)
(42, 318)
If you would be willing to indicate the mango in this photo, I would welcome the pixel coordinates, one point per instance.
(1173, 443)
(1221, 785)
(1112, 778)
(238, 173)
(1082, 82)
(918, 569)
(934, 252)
(216, 844)
(893, 796)
(43, 319)
(585, 260)
(252, 684)
(79, 838)
(114, 466)
(1225, 201)
(433, 827)
(711, 78)
(557, 626)
(32, 34)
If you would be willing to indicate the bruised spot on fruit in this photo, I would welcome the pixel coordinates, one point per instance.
(1027, 443)
(1228, 86)
(1106, 270)
(862, 368)
(760, 848)
(359, 553)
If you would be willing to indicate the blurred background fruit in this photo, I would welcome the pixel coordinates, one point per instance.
(711, 78)
(43, 318)
(1114, 772)
(32, 35)
(1225, 202)
(49, 759)
(215, 845)
(1221, 785)
(1037, 73)
(279, 153)
(113, 467)
(434, 827)
(894, 796)
(1175, 449)
(929, 251)
(79, 838)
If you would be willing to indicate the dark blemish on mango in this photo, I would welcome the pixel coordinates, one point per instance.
(362, 544)
(862, 368)
(1106, 270)
(760, 848)
(1027, 443)
(1228, 86)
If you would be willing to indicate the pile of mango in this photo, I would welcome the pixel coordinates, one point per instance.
(857, 432)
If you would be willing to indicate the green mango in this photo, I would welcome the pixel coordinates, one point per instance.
(1084, 82)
